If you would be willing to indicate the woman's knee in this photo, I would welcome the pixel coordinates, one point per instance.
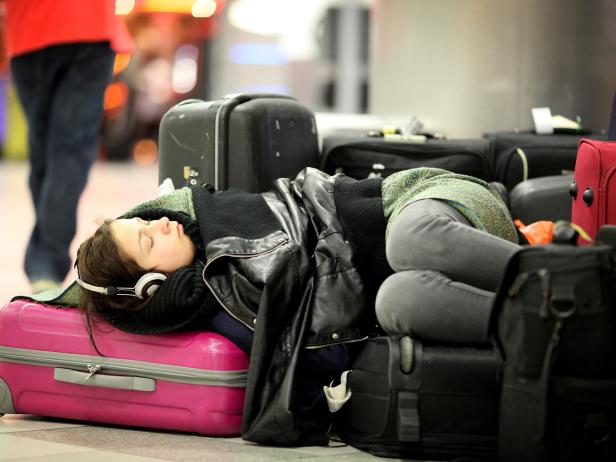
(428, 305)
(405, 302)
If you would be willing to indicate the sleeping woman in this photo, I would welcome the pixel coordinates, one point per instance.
(293, 276)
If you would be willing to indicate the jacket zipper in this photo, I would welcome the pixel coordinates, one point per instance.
(245, 255)
(94, 365)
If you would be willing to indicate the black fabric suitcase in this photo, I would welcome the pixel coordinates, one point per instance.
(364, 157)
(421, 401)
(516, 156)
(543, 198)
(554, 323)
(245, 141)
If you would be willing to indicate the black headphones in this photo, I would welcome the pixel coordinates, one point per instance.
(146, 286)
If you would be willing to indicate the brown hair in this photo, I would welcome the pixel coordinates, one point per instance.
(101, 262)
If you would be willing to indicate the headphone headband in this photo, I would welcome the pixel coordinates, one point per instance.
(128, 291)
(146, 286)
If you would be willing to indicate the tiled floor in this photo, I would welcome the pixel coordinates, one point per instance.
(112, 188)
(30, 438)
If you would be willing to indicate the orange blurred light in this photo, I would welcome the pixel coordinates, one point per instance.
(181, 6)
(115, 96)
(120, 63)
(145, 152)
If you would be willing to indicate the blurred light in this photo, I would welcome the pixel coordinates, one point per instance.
(204, 8)
(124, 7)
(260, 54)
(154, 81)
(263, 17)
(120, 63)
(198, 8)
(116, 94)
(185, 68)
(145, 152)
(273, 88)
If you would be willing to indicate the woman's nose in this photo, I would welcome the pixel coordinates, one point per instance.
(163, 224)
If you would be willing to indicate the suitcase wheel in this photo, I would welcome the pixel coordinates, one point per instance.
(587, 196)
(573, 189)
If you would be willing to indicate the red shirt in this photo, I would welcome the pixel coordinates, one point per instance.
(36, 24)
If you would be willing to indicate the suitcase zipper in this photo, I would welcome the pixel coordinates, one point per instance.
(394, 150)
(96, 364)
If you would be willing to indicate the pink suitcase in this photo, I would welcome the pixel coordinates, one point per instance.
(193, 381)
(594, 186)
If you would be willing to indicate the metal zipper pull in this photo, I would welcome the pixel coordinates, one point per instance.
(92, 369)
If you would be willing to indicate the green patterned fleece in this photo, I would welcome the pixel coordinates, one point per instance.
(475, 199)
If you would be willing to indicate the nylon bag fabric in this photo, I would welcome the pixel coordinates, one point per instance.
(554, 322)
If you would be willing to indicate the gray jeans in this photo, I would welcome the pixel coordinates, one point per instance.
(446, 275)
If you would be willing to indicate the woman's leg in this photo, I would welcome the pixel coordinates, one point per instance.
(431, 235)
(428, 305)
(446, 274)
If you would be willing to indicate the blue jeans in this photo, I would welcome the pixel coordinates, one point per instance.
(61, 89)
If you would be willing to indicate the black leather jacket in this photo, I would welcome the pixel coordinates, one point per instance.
(281, 263)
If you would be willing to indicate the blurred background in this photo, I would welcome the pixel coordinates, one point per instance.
(462, 67)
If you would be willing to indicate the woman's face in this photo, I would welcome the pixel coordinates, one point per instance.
(154, 245)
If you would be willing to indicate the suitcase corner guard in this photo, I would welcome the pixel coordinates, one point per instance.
(6, 400)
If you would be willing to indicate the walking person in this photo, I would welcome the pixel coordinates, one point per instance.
(62, 54)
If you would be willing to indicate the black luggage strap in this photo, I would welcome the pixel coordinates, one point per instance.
(408, 417)
(558, 303)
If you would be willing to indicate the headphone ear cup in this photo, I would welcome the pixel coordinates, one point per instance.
(148, 284)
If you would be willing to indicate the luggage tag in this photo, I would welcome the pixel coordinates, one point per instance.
(542, 118)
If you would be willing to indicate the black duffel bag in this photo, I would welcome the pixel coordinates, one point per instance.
(554, 322)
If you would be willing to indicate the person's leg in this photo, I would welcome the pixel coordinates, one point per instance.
(33, 76)
(446, 274)
(430, 306)
(431, 235)
(75, 111)
(28, 73)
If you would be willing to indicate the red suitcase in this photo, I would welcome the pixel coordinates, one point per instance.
(594, 186)
(187, 381)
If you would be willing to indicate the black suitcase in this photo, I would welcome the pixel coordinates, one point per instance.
(245, 141)
(543, 198)
(518, 156)
(364, 157)
(423, 402)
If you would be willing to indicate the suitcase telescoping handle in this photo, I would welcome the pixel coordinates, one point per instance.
(221, 132)
(92, 379)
